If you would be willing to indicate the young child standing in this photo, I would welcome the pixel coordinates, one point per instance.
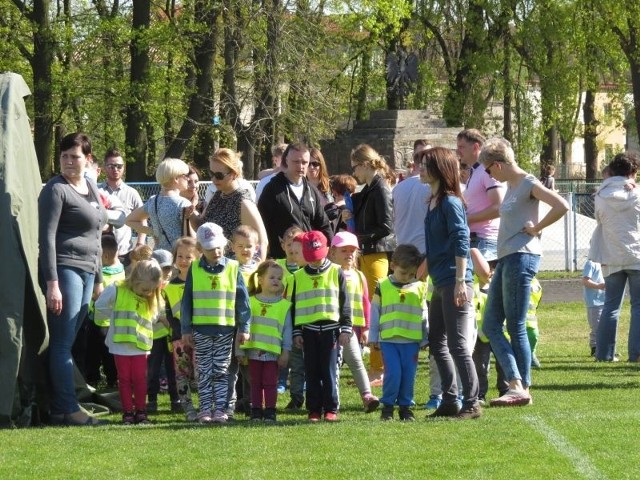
(593, 283)
(131, 307)
(244, 245)
(215, 303)
(399, 329)
(344, 251)
(161, 353)
(270, 340)
(322, 320)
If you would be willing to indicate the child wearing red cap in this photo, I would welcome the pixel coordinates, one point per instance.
(322, 321)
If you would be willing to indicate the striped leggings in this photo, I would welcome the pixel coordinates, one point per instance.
(213, 355)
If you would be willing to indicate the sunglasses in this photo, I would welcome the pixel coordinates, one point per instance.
(117, 166)
(219, 175)
(314, 164)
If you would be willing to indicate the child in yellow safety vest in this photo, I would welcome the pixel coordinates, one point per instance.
(244, 245)
(162, 350)
(344, 251)
(399, 330)
(131, 308)
(215, 303)
(322, 321)
(295, 369)
(184, 253)
(269, 340)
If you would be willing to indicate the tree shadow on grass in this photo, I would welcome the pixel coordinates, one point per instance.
(587, 386)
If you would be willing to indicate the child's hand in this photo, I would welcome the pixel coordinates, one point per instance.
(344, 339)
(364, 336)
(283, 359)
(242, 337)
(297, 341)
(374, 345)
(187, 340)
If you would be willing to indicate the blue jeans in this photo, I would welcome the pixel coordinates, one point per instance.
(608, 326)
(400, 365)
(76, 287)
(508, 298)
(488, 247)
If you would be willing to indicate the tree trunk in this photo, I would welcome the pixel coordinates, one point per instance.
(137, 119)
(590, 135)
(363, 88)
(507, 129)
(200, 110)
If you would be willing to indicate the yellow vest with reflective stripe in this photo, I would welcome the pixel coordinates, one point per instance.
(401, 310)
(317, 296)
(267, 325)
(214, 295)
(429, 288)
(173, 293)
(132, 320)
(534, 300)
(106, 281)
(287, 278)
(355, 289)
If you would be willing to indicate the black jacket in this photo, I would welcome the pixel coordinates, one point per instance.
(280, 209)
(372, 210)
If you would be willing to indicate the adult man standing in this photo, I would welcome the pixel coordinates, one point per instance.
(288, 199)
(410, 203)
(266, 175)
(115, 166)
(483, 196)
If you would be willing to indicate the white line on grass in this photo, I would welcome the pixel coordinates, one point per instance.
(579, 460)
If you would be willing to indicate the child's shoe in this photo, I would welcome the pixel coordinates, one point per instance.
(270, 415)
(314, 417)
(433, 403)
(256, 414)
(406, 414)
(205, 417)
(191, 415)
(446, 410)
(535, 363)
(141, 418)
(164, 385)
(469, 413)
(330, 417)
(370, 402)
(219, 417)
(152, 406)
(293, 405)
(387, 413)
(128, 418)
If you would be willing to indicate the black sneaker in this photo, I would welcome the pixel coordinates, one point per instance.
(406, 414)
(256, 414)
(128, 418)
(293, 405)
(142, 419)
(468, 413)
(269, 415)
(446, 410)
(386, 413)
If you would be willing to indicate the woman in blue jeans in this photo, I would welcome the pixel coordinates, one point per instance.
(519, 252)
(617, 205)
(451, 313)
(70, 229)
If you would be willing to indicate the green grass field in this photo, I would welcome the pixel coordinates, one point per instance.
(584, 423)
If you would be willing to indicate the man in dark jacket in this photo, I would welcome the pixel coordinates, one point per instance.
(288, 199)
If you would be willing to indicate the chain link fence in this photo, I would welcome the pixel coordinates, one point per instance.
(565, 244)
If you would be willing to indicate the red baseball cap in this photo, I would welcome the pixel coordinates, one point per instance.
(314, 245)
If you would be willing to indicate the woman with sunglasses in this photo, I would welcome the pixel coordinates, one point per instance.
(318, 177)
(231, 205)
(519, 251)
(167, 209)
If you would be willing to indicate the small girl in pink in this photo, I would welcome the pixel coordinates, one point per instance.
(269, 339)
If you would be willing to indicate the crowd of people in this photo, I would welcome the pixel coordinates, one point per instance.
(247, 293)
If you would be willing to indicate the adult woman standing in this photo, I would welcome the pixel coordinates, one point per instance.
(230, 205)
(372, 212)
(71, 221)
(167, 209)
(192, 194)
(318, 176)
(519, 252)
(617, 206)
(451, 315)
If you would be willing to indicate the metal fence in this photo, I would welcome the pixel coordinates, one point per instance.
(565, 244)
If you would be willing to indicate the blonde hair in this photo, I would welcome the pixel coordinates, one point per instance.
(262, 269)
(185, 242)
(245, 231)
(364, 154)
(140, 252)
(229, 159)
(497, 149)
(170, 169)
(147, 271)
(291, 233)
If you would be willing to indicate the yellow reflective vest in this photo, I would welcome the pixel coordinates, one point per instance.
(107, 279)
(173, 293)
(534, 300)
(401, 311)
(267, 325)
(317, 296)
(355, 281)
(214, 295)
(287, 278)
(132, 319)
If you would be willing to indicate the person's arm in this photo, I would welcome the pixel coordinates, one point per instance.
(480, 266)
(103, 306)
(243, 309)
(186, 310)
(458, 232)
(346, 325)
(49, 210)
(137, 220)
(249, 215)
(374, 325)
(496, 196)
(559, 207)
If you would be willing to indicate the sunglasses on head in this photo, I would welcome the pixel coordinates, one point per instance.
(219, 175)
